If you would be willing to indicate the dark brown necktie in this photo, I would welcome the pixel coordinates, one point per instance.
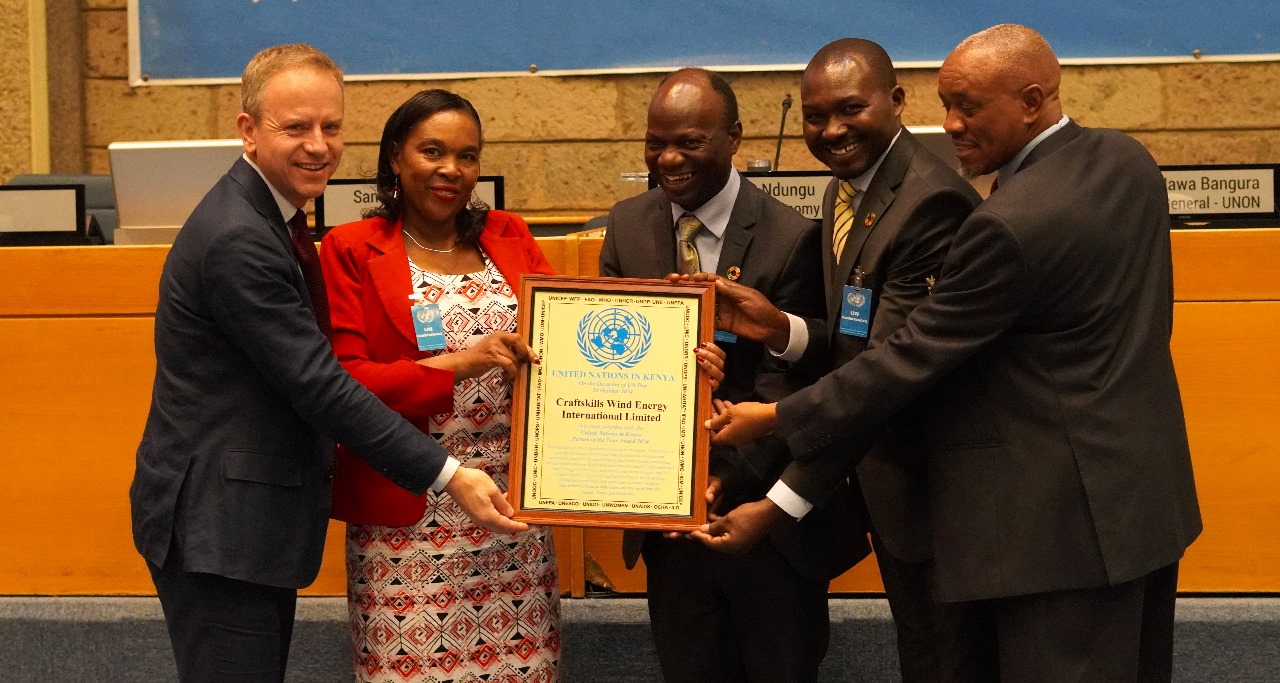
(309, 261)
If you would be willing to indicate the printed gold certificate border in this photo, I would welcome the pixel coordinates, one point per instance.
(529, 402)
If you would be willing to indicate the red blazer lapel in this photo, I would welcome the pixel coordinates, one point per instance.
(389, 267)
(389, 273)
(507, 253)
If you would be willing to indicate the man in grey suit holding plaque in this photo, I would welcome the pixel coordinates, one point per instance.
(715, 617)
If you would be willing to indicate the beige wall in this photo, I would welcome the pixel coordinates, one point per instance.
(66, 57)
(563, 141)
(15, 89)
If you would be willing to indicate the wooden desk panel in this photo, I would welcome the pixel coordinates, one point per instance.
(75, 383)
(74, 393)
(123, 280)
(77, 281)
(1226, 265)
(1212, 265)
(1228, 361)
(589, 255)
(73, 400)
(603, 550)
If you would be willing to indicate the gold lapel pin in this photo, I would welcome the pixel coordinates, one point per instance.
(734, 272)
(871, 218)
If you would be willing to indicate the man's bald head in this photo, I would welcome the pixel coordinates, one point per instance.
(1017, 56)
(693, 133)
(1000, 90)
(694, 79)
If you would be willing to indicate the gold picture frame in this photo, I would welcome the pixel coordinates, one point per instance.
(607, 430)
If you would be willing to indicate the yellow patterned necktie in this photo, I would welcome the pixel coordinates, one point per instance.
(844, 217)
(686, 228)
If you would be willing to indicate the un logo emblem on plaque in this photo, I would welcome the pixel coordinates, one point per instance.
(426, 315)
(614, 336)
(857, 299)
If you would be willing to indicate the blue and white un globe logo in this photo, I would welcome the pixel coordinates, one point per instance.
(614, 336)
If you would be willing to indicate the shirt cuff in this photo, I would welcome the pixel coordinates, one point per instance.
(797, 342)
(446, 474)
(789, 500)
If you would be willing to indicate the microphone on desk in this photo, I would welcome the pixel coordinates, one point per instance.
(777, 154)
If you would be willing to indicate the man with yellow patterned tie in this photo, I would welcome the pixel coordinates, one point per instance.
(889, 217)
(715, 617)
(843, 218)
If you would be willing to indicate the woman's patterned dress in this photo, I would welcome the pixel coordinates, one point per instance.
(446, 600)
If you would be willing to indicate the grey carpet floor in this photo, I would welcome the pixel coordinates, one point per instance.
(606, 640)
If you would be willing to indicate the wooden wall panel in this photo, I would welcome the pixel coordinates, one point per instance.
(75, 384)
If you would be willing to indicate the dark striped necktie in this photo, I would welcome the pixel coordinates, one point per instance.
(309, 261)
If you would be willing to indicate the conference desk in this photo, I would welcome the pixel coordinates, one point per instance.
(75, 382)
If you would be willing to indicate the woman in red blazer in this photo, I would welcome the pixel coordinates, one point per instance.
(431, 594)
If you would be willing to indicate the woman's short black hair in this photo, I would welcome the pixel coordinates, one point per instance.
(415, 110)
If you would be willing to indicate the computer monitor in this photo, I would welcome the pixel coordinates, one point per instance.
(42, 215)
(158, 184)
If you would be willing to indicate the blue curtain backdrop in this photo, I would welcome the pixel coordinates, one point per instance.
(203, 39)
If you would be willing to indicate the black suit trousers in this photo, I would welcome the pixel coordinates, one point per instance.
(224, 630)
(1112, 633)
(720, 618)
(924, 627)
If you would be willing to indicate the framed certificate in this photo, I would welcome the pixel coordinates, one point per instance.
(607, 430)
